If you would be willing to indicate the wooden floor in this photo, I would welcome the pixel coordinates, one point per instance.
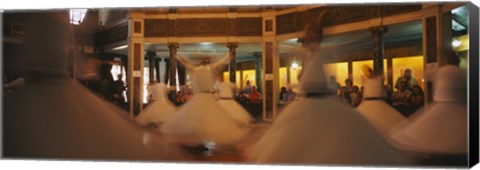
(224, 154)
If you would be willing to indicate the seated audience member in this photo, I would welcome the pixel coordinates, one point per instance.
(254, 96)
(247, 88)
(401, 99)
(417, 97)
(356, 96)
(282, 96)
(407, 77)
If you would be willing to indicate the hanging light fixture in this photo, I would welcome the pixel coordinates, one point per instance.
(294, 64)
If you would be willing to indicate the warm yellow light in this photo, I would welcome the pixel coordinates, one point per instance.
(247, 75)
(415, 63)
(463, 43)
(339, 70)
(456, 43)
(294, 65)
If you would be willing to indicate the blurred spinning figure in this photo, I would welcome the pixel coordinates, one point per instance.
(202, 121)
(442, 128)
(159, 110)
(320, 128)
(375, 109)
(227, 101)
(53, 116)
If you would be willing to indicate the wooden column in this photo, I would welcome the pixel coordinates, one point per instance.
(270, 78)
(430, 54)
(390, 73)
(288, 66)
(242, 81)
(167, 73)
(135, 64)
(445, 38)
(258, 69)
(182, 75)
(151, 66)
(378, 53)
(233, 64)
(172, 70)
(350, 71)
(157, 69)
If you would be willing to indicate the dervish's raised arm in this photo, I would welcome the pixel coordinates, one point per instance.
(187, 64)
(219, 65)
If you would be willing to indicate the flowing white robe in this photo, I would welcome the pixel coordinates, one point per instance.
(159, 110)
(226, 100)
(202, 119)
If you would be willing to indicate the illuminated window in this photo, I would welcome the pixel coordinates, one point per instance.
(250, 76)
(283, 77)
(226, 77)
(77, 15)
(339, 70)
(415, 63)
(463, 43)
(294, 74)
(247, 75)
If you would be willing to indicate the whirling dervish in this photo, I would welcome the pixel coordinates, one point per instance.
(373, 107)
(159, 110)
(227, 101)
(54, 116)
(442, 127)
(202, 120)
(320, 128)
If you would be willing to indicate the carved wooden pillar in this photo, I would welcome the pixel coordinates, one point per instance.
(430, 51)
(172, 70)
(233, 58)
(242, 81)
(390, 73)
(157, 69)
(258, 70)
(151, 66)
(167, 73)
(446, 52)
(182, 75)
(135, 64)
(350, 71)
(270, 78)
(377, 33)
(288, 65)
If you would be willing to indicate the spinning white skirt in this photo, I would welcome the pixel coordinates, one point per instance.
(202, 119)
(323, 131)
(53, 116)
(59, 118)
(226, 100)
(236, 111)
(381, 115)
(320, 128)
(442, 127)
(158, 111)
